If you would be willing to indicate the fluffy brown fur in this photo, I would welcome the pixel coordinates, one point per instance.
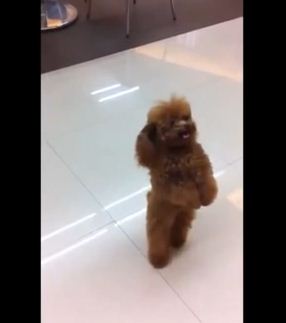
(181, 176)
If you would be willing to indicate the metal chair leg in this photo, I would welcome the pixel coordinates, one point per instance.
(128, 18)
(89, 4)
(128, 3)
(173, 10)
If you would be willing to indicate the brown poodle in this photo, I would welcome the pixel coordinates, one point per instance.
(181, 176)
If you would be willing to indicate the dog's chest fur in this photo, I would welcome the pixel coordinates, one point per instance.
(177, 170)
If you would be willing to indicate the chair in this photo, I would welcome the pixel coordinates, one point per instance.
(128, 11)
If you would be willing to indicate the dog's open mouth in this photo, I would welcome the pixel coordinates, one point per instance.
(184, 134)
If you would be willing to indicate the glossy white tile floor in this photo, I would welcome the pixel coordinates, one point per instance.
(94, 267)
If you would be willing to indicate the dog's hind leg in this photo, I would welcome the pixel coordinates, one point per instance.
(180, 228)
(159, 223)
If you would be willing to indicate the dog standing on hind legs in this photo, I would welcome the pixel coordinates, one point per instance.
(181, 176)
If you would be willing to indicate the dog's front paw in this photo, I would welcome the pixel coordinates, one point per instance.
(195, 200)
(208, 192)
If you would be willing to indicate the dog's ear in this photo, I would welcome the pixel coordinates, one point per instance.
(145, 146)
(150, 131)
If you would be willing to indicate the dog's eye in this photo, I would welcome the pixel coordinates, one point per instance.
(186, 118)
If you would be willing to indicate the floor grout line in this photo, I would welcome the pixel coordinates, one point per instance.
(180, 297)
(102, 210)
(80, 238)
(159, 273)
(113, 221)
(235, 161)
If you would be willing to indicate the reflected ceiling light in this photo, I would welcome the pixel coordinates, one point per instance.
(131, 216)
(236, 198)
(67, 227)
(127, 197)
(108, 207)
(115, 95)
(73, 247)
(108, 88)
(219, 173)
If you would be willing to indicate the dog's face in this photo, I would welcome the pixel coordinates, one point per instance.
(171, 124)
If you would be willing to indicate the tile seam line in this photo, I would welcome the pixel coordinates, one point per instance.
(94, 230)
(161, 275)
(81, 183)
(113, 221)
